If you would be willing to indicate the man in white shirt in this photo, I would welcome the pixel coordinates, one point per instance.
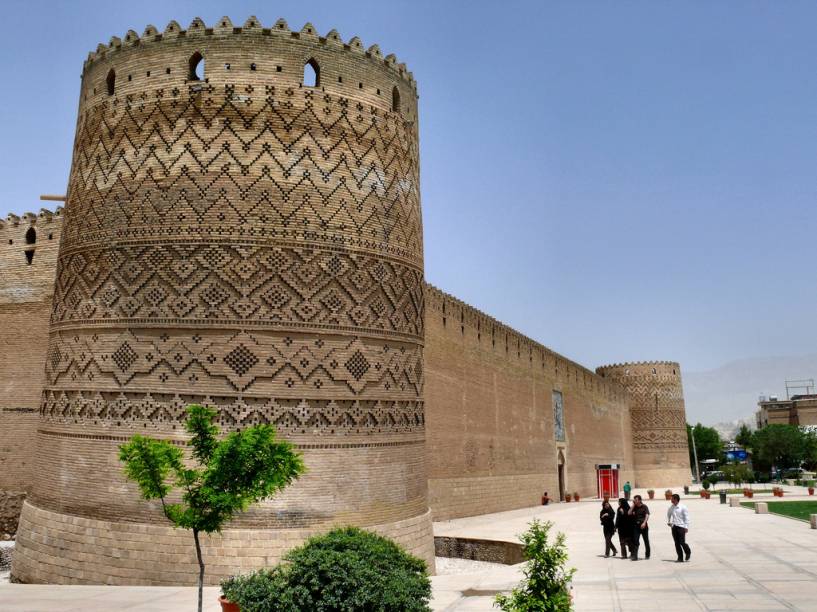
(678, 520)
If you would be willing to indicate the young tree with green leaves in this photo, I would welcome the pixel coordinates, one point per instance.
(546, 585)
(737, 473)
(241, 469)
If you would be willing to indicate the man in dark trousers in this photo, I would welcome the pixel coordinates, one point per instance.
(641, 528)
(627, 489)
(678, 520)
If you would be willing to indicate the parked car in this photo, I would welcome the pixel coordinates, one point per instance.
(715, 475)
(795, 473)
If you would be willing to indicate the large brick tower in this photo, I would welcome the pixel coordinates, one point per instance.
(658, 420)
(242, 230)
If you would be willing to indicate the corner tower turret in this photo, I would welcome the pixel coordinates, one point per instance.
(658, 419)
(242, 237)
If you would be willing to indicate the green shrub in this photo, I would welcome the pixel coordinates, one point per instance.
(260, 591)
(546, 585)
(810, 483)
(345, 570)
(706, 484)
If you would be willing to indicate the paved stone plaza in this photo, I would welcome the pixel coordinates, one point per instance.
(741, 561)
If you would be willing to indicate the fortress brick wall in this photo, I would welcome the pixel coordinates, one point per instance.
(490, 431)
(249, 241)
(28, 255)
(658, 416)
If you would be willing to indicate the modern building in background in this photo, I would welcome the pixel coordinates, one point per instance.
(797, 410)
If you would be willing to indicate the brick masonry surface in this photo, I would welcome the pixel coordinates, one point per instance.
(658, 416)
(244, 240)
(28, 255)
(64, 549)
(10, 505)
(491, 438)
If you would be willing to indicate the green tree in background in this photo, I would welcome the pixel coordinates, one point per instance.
(781, 446)
(707, 441)
(243, 468)
(744, 436)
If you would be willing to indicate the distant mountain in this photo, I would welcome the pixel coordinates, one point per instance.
(729, 393)
(729, 429)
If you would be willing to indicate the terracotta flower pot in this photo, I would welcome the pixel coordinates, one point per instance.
(228, 606)
(568, 498)
(811, 490)
(750, 494)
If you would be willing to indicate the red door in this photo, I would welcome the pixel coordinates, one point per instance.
(607, 478)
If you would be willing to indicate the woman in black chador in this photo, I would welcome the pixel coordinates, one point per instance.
(624, 525)
(607, 516)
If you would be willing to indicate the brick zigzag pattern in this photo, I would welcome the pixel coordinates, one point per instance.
(241, 223)
(322, 171)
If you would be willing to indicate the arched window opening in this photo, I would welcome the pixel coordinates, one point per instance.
(31, 236)
(110, 81)
(196, 64)
(29, 256)
(395, 99)
(312, 74)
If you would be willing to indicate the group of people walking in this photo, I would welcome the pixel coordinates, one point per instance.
(633, 525)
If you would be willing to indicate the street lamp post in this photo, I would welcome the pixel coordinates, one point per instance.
(695, 454)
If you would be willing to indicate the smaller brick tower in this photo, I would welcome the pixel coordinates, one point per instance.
(28, 257)
(658, 418)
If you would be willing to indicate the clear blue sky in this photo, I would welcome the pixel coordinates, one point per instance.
(618, 180)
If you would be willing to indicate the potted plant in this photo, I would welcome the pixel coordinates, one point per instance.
(750, 494)
(651, 493)
(227, 605)
(668, 494)
(576, 496)
(568, 497)
(810, 485)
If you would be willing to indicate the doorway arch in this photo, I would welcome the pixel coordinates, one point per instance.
(560, 467)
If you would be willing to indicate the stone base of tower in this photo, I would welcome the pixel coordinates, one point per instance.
(62, 549)
(662, 468)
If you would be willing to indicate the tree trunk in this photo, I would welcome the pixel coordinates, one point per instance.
(201, 566)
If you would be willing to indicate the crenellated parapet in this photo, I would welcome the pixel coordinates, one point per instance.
(253, 55)
(461, 316)
(28, 255)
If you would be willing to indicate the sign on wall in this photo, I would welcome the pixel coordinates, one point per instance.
(558, 417)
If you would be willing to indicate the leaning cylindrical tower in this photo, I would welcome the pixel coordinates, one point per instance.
(658, 420)
(242, 230)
